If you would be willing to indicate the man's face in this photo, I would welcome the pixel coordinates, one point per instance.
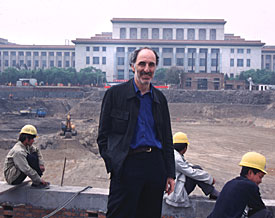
(257, 178)
(29, 142)
(144, 67)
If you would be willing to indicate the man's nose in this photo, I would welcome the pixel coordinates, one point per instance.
(147, 68)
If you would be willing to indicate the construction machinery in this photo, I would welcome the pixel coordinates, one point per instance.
(68, 128)
(39, 112)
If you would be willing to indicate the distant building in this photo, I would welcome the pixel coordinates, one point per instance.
(36, 56)
(268, 58)
(196, 45)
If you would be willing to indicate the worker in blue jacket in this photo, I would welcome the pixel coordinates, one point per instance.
(241, 197)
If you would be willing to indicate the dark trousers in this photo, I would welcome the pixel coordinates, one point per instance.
(190, 184)
(33, 161)
(138, 192)
(262, 214)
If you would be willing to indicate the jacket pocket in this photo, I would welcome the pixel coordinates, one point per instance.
(119, 121)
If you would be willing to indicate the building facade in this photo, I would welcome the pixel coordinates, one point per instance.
(268, 58)
(195, 45)
(36, 56)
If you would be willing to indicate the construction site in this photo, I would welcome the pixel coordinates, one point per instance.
(221, 127)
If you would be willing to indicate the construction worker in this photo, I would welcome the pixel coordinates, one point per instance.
(188, 176)
(25, 160)
(240, 197)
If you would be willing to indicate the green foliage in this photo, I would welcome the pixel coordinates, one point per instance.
(169, 76)
(53, 76)
(259, 76)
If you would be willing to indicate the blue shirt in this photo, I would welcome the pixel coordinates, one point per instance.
(145, 131)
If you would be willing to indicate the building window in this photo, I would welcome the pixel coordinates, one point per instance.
(231, 62)
(120, 49)
(167, 50)
(29, 63)
(191, 62)
(202, 62)
(216, 83)
(191, 50)
(51, 63)
(36, 63)
(240, 50)
(191, 34)
(43, 53)
(123, 33)
(248, 62)
(131, 49)
(95, 60)
(212, 34)
(73, 54)
(6, 63)
(67, 54)
(96, 48)
(179, 34)
(232, 50)
(73, 63)
(179, 62)
(6, 53)
(21, 53)
(120, 61)
(203, 50)
(44, 63)
(133, 33)
(51, 53)
(67, 64)
(103, 60)
(202, 84)
(231, 75)
(13, 53)
(21, 63)
(167, 33)
(87, 60)
(202, 34)
(179, 50)
(239, 62)
(120, 74)
(13, 63)
(59, 63)
(87, 48)
(167, 61)
(155, 33)
(188, 82)
(248, 51)
(215, 50)
(144, 33)
(156, 49)
(214, 62)
(103, 48)
(59, 53)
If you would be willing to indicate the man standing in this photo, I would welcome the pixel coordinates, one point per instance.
(135, 141)
(25, 160)
(240, 197)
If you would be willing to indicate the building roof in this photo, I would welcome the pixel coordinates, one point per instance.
(99, 40)
(269, 48)
(40, 47)
(168, 20)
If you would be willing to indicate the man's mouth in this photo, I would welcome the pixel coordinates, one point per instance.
(143, 73)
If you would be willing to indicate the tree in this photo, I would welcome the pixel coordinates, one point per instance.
(173, 75)
(259, 76)
(160, 75)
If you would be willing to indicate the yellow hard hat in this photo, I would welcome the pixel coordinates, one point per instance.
(180, 137)
(29, 129)
(254, 160)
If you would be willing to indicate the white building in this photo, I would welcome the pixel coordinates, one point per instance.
(36, 56)
(196, 45)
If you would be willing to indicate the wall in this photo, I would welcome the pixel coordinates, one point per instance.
(29, 202)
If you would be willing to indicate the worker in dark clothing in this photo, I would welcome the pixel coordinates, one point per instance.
(135, 141)
(240, 197)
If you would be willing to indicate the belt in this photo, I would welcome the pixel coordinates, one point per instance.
(147, 149)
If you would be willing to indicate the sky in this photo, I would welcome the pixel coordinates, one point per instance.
(55, 22)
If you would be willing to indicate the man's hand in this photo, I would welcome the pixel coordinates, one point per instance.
(170, 185)
(42, 168)
(214, 181)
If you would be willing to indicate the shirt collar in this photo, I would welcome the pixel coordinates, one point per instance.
(138, 91)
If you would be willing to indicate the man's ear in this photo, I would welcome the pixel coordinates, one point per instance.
(133, 68)
(249, 174)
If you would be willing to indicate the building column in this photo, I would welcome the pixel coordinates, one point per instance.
(127, 33)
(126, 61)
(174, 57)
(207, 34)
(160, 57)
(196, 33)
(138, 33)
(149, 33)
(271, 63)
(185, 60)
(263, 60)
(197, 61)
(220, 61)
(174, 33)
(209, 61)
(160, 33)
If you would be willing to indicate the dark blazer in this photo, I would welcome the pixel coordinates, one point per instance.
(118, 118)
